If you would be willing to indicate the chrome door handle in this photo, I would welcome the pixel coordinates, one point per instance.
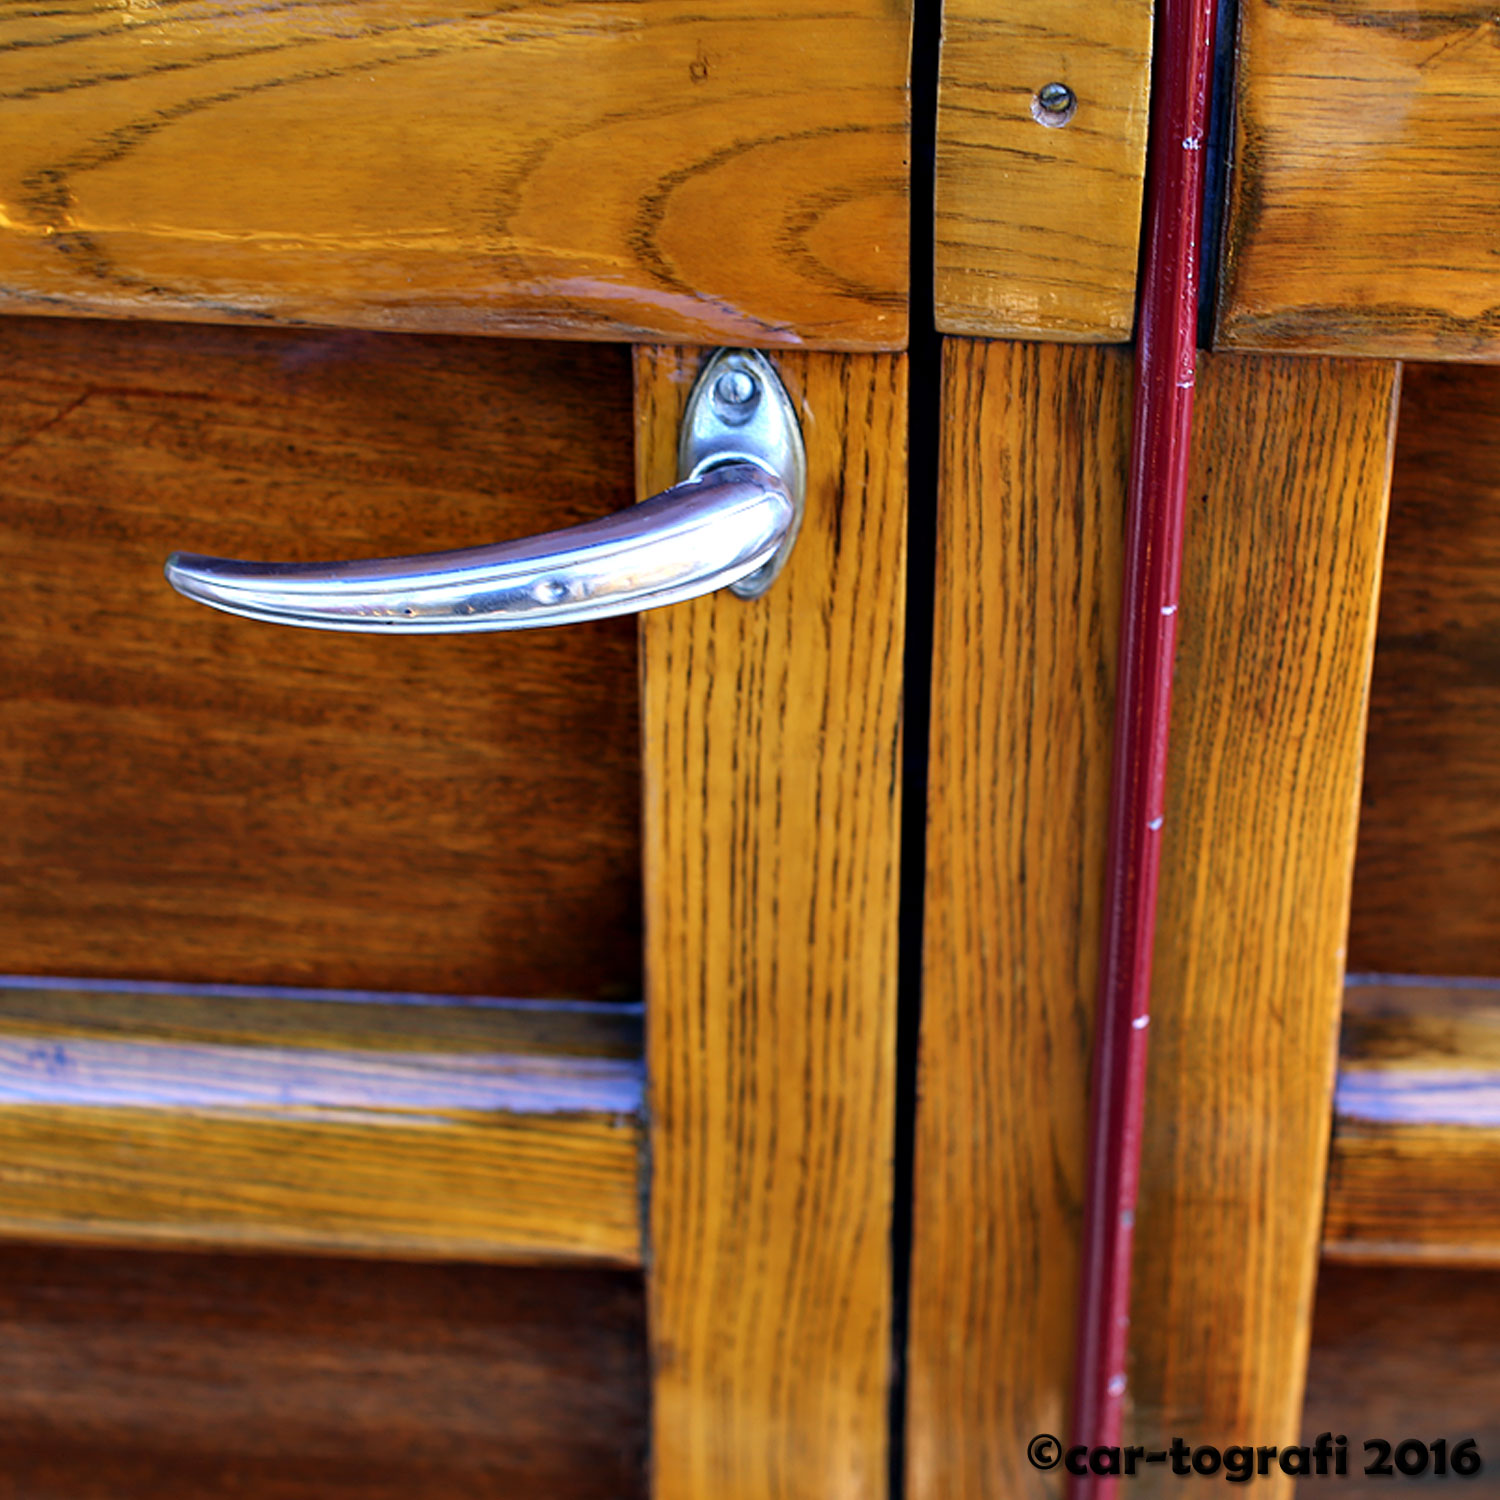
(729, 522)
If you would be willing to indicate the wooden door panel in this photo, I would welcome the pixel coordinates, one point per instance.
(1427, 872)
(1404, 1352)
(556, 168)
(126, 1375)
(191, 797)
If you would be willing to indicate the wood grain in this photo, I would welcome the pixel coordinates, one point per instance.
(550, 167)
(198, 798)
(1030, 514)
(395, 1126)
(1291, 474)
(1404, 1353)
(772, 736)
(1282, 562)
(1038, 227)
(1427, 875)
(1362, 192)
(1414, 1172)
(125, 1376)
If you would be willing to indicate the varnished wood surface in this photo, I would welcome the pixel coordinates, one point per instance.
(1278, 600)
(1404, 1353)
(192, 797)
(1037, 226)
(125, 1376)
(1281, 574)
(1361, 216)
(1031, 506)
(1414, 1170)
(1427, 875)
(772, 735)
(555, 167)
(395, 1126)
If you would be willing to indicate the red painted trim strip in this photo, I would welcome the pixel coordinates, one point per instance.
(1165, 369)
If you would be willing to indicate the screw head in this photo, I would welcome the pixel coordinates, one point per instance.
(1053, 105)
(736, 388)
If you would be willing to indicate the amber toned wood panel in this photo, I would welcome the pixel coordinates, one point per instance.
(1414, 1173)
(339, 1124)
(1404, 1353)
(1291, 473)
(553, 168)
(1361, 215)
(193, 797)
(1038, 217)
(125, 1376)
(1036, 442)
(772, 735)
(1278, 599)
(1427, 875)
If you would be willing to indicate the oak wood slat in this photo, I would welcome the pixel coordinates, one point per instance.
(772, 735)
(1414, 1170)
(1037, 227)
(1404, 1352)
(377, 1125)
(1280, 581)
(557, 168)
(1032, 485)
(196, 798)
(1361, 213)
(127, 1376)
(1282, 561)
(1427, 871)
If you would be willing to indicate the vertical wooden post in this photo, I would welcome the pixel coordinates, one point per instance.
(1281, 573)
(1285, 521)
(1036, 447)
(771, 736)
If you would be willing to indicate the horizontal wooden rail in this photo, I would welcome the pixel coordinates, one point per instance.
(231, 1117)
(561, 169)
(1414, 1173)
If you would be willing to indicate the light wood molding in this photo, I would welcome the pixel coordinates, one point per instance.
(1038, 227)
(772, 734)
(242, 1119)
(1414, 1171)
(128, 1376)
(1361, 214)
(555, 168)
(1287, 509)
(1036, 442)
(1427, 870)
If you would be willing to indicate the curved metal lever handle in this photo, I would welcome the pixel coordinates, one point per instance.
(730, 522)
